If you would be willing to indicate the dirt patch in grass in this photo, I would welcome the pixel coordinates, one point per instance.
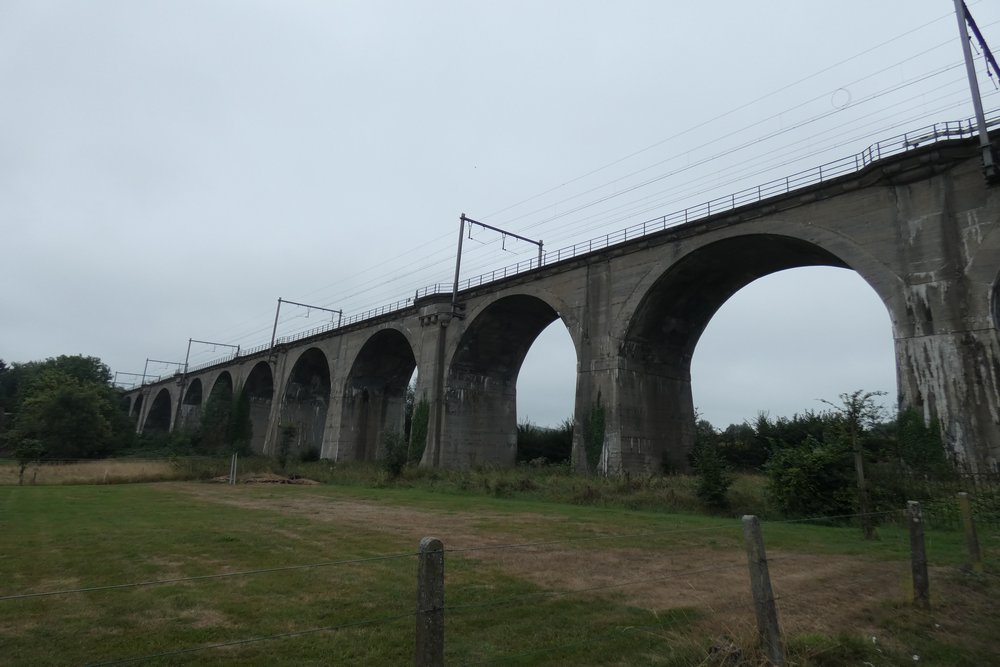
(816, 593)
(266, 478)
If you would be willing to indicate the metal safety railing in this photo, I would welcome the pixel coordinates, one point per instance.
(880, 150)
(825, 172)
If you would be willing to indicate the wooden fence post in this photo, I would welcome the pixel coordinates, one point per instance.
(763, 596)
(971, 539)
(918, 556)
(430, 603)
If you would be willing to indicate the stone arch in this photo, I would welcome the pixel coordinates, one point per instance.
(563, 309)
(160, 412)
(844, 253)
(259, 388)
(136, 412)
(222, 388)
(191, 405)
(480, 422)
(655, 411)
(374, 398)
(306, 401)
(216, 410)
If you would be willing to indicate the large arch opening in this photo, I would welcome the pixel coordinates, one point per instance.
(259, 389)
(546, 393)
(656, 409)
(375, 394)
(136, 408)
(215, 415)
(789, 340)
(158, 419)
(191, 406)
(481, 387)
(306, 401)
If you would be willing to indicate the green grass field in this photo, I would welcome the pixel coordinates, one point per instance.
(599, 586)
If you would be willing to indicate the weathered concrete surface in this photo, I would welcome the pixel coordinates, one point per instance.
(922, 229)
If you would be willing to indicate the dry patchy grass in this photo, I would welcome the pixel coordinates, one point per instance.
(109, 471)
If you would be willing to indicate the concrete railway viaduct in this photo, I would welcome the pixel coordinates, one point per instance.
(913, 216)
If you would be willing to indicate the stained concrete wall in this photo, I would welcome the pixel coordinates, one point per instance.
(922, 229)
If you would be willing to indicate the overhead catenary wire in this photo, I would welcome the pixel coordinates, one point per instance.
(897, 87)
(726, 114)
(417, 268)
(384, 282)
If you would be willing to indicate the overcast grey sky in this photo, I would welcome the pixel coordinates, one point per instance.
(168, 169)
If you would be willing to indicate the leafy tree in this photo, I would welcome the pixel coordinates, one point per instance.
(212, 436)
(68, 417)
(226, 425)
(287, 433)
(393, 455)
(26, 451)
(714, 476)
(859, 414)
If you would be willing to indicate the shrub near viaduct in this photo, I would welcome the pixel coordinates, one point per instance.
(920, 226)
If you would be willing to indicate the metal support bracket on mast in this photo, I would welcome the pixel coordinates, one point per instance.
(455, 309)
(965, 18)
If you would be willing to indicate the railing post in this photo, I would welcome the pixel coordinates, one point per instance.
(918, 556)
(971, 538)
(763, 595)
(430, 603)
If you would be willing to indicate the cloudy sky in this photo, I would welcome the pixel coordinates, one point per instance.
(169, 169)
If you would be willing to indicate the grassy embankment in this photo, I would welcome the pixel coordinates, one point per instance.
(512, 606)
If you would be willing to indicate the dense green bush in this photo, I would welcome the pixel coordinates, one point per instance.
(812, 479)
(713, 475)
(393, 456)
(544, 445)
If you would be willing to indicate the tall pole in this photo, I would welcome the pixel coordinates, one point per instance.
(977, 102)
(180, 398)
(458, 265)
(274, 329)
